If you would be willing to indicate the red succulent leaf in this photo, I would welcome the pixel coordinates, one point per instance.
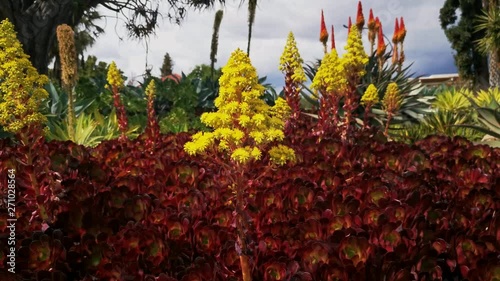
(356, 249)
(274, 271)
(389, 238)
(206, 238)
(371, 216)
(426, 264)
(377, 194)
(440, 246)
(314, 254)
(401, 275)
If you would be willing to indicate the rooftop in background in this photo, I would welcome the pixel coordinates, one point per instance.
(436, 80)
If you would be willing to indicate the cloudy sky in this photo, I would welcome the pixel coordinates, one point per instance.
(189, 44)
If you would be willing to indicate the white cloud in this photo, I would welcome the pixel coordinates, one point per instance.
(189, 44)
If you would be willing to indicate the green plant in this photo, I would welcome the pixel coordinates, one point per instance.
(84, 134)
(489, 117)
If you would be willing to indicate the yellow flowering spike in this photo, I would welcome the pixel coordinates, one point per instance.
(355, 58)
(370, 97)
(21, 87)
(243, 123)
(331, 75)
(392, 99)
(151, 90)
(291, 62)
(115, 79)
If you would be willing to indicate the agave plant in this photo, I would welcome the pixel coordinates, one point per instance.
(90, 129)
(489, 118)
(85, 127)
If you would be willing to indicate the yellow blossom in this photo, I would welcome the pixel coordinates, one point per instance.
(355, 58)
(241, 155)
(21, 87)
(115, 79)
(291, 62)
(243, 123)
(331, 74)
(151, 90)
(370, 96)
(281, 154)
(392, 99)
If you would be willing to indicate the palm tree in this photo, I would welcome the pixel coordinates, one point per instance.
(252, 6)
(489, 23)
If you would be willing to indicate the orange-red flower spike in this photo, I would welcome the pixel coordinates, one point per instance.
(360, 19)
(333, 38)
(395, 37)
(371, 21)
(402, 30)
(323, 34)
(349, 26)
(381, 43)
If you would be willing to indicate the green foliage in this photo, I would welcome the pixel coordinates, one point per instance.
(471, 64)
(488, 117)
(91, 129)
(167, 66)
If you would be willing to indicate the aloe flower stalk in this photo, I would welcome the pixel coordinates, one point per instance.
(395, 40)
(391, 103)
(360, 19)
(333, 38)
(380, 47)
(116, 81)
(349, 24)
(291, 66)
(368, 100)
(323, 34)
(244, 125)
(152, 129)
(372, 32)
(401, 39)
(69, 68)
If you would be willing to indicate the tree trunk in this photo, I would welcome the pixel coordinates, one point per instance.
(494, 69)
(36, 23)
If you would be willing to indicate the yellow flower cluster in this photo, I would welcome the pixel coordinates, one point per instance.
(355, 58)
(280, 154)
(67, 53)
(392, 99)
(21, 87)
(151, 90)
(331, 74)
(115, 79)
(370, 97)
(243, 123)
(291, 62)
